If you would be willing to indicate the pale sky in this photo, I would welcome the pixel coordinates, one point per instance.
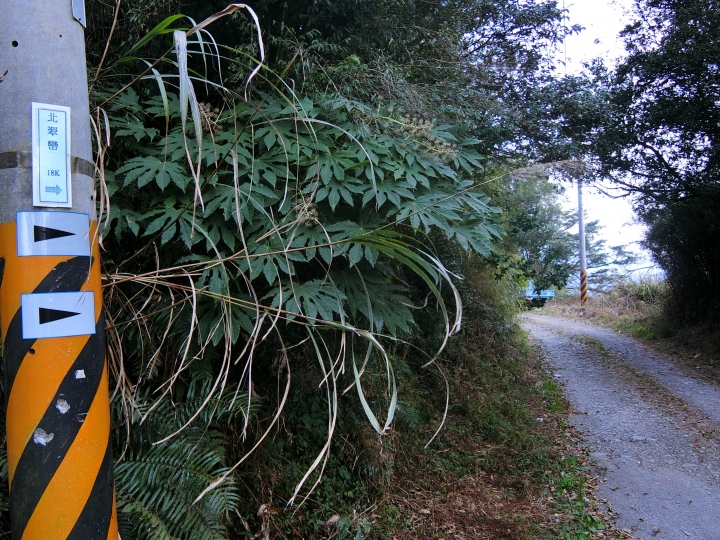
(602, 20)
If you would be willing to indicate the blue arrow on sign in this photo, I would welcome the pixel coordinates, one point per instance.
(56, 189)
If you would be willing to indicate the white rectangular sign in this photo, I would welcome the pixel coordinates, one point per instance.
(50, 315)
(52, 184)
(52, 233)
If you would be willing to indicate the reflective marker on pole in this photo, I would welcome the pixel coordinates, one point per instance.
(53, 233)
(51, 313)
(58, 424)
(57, 314)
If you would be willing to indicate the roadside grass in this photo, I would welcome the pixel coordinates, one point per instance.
(643, 311)
(631, 308)
(505, 467)
(574, 489)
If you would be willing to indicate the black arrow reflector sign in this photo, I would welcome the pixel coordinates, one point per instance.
(58, 314)
(46, 233)
(49, 234)
(52, 315)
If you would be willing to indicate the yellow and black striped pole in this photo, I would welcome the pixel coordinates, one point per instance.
(51, 315)
(583, 260)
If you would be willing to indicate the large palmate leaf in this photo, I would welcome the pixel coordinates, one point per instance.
(316, 300)
(143, 170)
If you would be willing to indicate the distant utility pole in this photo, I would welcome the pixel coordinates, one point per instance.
(583, 260)
(51, 315)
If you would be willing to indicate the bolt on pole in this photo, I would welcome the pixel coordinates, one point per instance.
(583, 260)
(51, 310)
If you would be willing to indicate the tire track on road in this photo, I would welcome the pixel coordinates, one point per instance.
(651, 428)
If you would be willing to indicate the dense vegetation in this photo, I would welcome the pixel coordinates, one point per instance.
(287, 246)
(673, 98)
(315, 216)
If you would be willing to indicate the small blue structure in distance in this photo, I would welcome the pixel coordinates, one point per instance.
(535, 298)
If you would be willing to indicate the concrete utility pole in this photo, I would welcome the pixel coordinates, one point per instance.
(583, 260)
(51, 316)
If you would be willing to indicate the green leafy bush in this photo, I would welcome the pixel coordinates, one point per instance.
(250, 237)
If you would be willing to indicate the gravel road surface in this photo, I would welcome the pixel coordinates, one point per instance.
(651, 424)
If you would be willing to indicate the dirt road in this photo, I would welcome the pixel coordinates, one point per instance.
(651, 424)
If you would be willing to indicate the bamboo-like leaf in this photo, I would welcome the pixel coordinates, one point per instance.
(187, 94)
(163, 92)
(161, 28)
(232, 8)
(368, 411)
(393, 399)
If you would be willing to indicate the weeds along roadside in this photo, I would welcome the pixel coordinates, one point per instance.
(505, 466)
(283, 234)
(645, 310)
(634, 308)
(494, 468)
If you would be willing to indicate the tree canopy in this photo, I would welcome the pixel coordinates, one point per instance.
(660, 139)
(653, 127)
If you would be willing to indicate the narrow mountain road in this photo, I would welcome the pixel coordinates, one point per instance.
(652, 426)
